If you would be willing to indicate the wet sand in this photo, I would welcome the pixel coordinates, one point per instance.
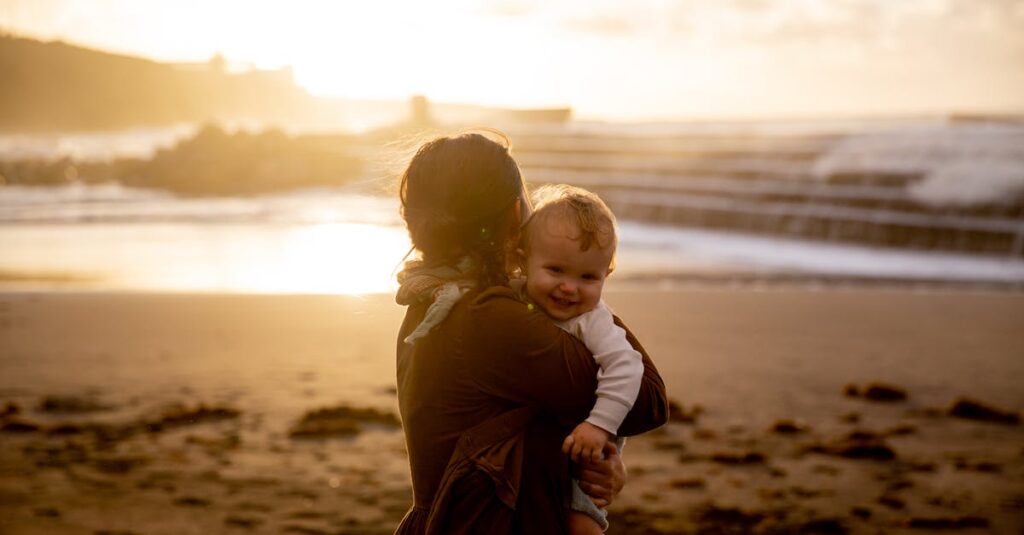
(166, 413)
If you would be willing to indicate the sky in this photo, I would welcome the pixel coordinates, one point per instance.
(624, 60)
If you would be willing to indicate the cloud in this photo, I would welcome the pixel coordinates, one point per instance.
(857, 22)
(606, 25)
(755, 23)
(508, 8)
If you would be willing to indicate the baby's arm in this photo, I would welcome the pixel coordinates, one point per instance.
(618, 381)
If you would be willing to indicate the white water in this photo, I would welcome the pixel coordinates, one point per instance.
(329, 241)
(961, 164)
(669, 246)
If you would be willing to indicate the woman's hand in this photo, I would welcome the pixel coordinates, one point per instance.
(602, 480)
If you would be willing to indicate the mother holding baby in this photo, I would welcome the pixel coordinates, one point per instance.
(488, 385)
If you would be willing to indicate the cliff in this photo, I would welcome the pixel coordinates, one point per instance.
(58, 86)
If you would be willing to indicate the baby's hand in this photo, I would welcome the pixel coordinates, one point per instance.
(586, 441)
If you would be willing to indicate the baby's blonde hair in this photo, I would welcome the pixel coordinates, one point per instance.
(562, 202)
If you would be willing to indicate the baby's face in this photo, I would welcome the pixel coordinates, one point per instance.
(560, 278)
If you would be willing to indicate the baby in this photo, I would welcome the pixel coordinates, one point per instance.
(567, 251)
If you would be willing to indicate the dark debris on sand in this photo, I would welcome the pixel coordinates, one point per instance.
(947, 522)
(636, 521)
(850, 418)
(243, 522)
(179, 416)
(688, 483)
(877, 391)
(191, 501)
(10, 409)
(856, 445)
(173, 417)
(715, 519)
(861, 512)
(340, 421)
(972, 409)
(900, 430)
(71, 405)
(72, 443)
(677, 413)
(789, 427)
(738, 458)
(892, 502)
(119, 464)
(823, 526)
(18, 425)
(46, 512)
(962, 463)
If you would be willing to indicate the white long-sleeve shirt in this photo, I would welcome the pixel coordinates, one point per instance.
(622, 367)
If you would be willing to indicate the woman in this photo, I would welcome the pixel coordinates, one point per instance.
(488, 387)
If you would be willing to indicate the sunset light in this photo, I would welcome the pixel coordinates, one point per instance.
(335, 259)
(621, 60)
(778, 244)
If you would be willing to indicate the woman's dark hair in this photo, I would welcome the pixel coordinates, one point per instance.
(456, 193)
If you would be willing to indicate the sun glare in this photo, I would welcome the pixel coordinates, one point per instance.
(342, 258)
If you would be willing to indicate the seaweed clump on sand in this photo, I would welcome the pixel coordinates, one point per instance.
(789, 427)
(341, 421)
(10, 409)
(18, 425)
(976, 410)
(856, 445)
(953, 522)
(107, 433)
(71, 405)
(738, 459)
(179, 416)
(680, 415)
(877, 391)
(95, 443)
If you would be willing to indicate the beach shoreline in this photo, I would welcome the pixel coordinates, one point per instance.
(184, 413)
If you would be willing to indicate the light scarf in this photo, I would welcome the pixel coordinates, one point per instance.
(443, 285)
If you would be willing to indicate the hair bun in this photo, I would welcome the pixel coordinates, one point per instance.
(454, 195)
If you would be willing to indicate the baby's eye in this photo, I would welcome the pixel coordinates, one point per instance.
(589, 277)
(555, 269)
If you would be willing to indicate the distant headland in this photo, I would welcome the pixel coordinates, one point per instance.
(55, 86)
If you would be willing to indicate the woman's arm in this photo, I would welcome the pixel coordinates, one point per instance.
(652, 398)
(523, 357)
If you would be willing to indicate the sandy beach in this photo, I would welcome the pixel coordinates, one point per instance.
(800, 411)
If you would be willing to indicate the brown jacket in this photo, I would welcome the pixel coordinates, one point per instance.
(486, 400)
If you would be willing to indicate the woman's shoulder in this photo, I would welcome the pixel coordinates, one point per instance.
(495, 293)
(501, 300)
(501, 312)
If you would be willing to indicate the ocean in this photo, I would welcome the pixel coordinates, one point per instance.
(102, 237)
